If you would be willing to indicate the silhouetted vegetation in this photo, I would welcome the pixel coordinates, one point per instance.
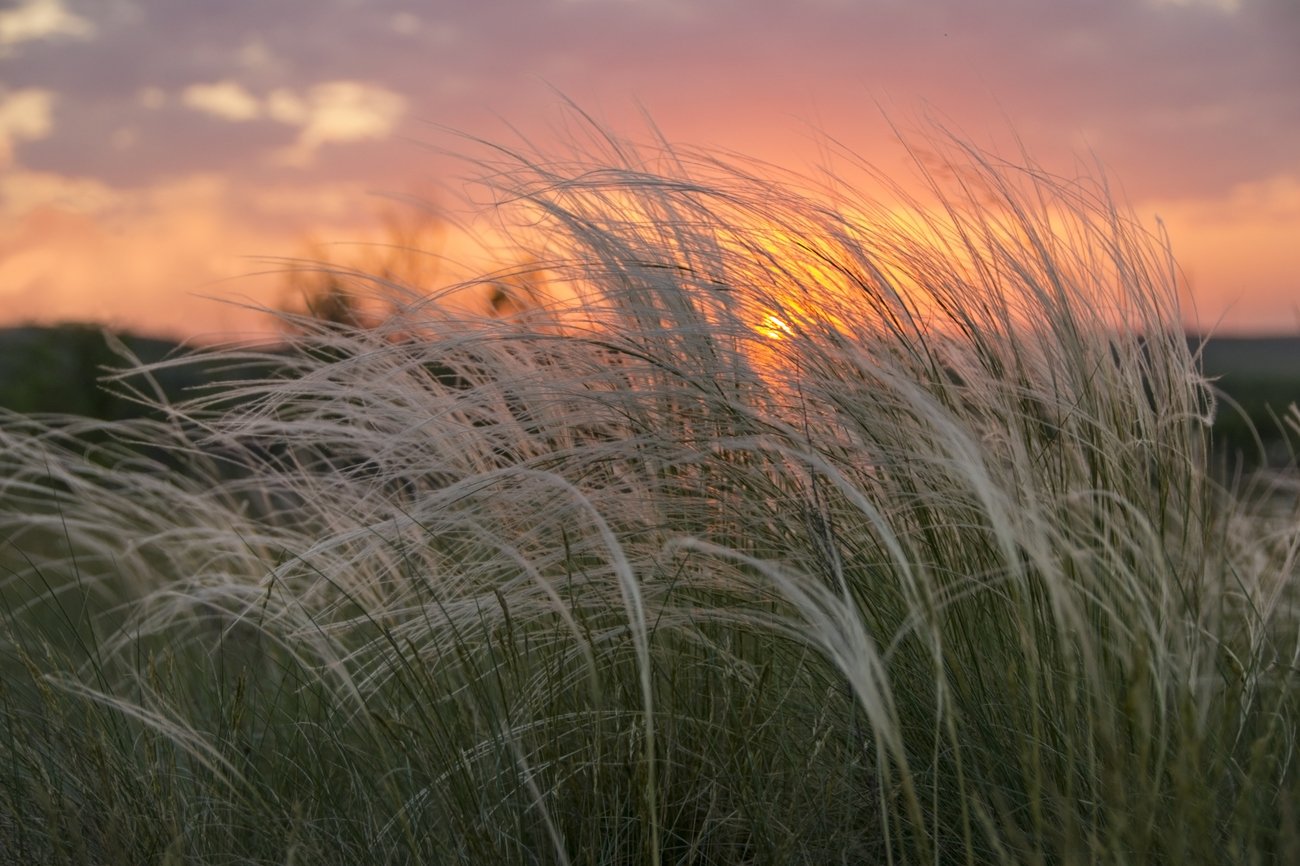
(62, 370)
(1260, 377)
(648, 580)
(357, 284)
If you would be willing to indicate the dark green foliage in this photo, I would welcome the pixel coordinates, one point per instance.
(60, 370)
(1259, 379)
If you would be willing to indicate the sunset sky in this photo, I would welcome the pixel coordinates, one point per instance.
(155, 152)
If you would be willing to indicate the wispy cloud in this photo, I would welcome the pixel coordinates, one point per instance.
(39, 20)
(25, 115)
(343, 111)
(331, 112)
(225, 99)
(1184, 100)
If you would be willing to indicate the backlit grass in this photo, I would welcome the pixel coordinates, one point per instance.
(931, 571)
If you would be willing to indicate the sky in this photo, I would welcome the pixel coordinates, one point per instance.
(158, 154)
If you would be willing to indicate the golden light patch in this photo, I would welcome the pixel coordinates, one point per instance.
(774, 328)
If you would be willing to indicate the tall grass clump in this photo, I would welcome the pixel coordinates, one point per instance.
(796, 525)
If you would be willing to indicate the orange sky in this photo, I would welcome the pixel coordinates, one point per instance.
(153, 153)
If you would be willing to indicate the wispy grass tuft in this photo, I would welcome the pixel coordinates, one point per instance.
(780, 531)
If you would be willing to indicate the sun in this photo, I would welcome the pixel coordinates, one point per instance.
(774, 328)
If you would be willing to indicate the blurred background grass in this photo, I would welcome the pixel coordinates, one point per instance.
(58, 370)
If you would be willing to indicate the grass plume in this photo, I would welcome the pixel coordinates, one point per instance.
(797, 526)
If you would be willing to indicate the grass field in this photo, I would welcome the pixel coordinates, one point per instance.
(1259, 379)
(786, 533)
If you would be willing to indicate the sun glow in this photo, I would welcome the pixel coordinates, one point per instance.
(774, 328)
(856, 270)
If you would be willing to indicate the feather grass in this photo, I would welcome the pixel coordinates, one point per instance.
(782, 531)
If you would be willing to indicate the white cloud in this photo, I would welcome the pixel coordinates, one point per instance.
(25, 115)
(337, 111)
(285, 106)
(41, 19)
(332, 112)
(351, 111)
(225, 99)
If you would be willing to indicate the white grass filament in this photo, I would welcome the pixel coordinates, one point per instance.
(792, 525)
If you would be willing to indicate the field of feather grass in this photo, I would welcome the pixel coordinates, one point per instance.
(783, 533)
